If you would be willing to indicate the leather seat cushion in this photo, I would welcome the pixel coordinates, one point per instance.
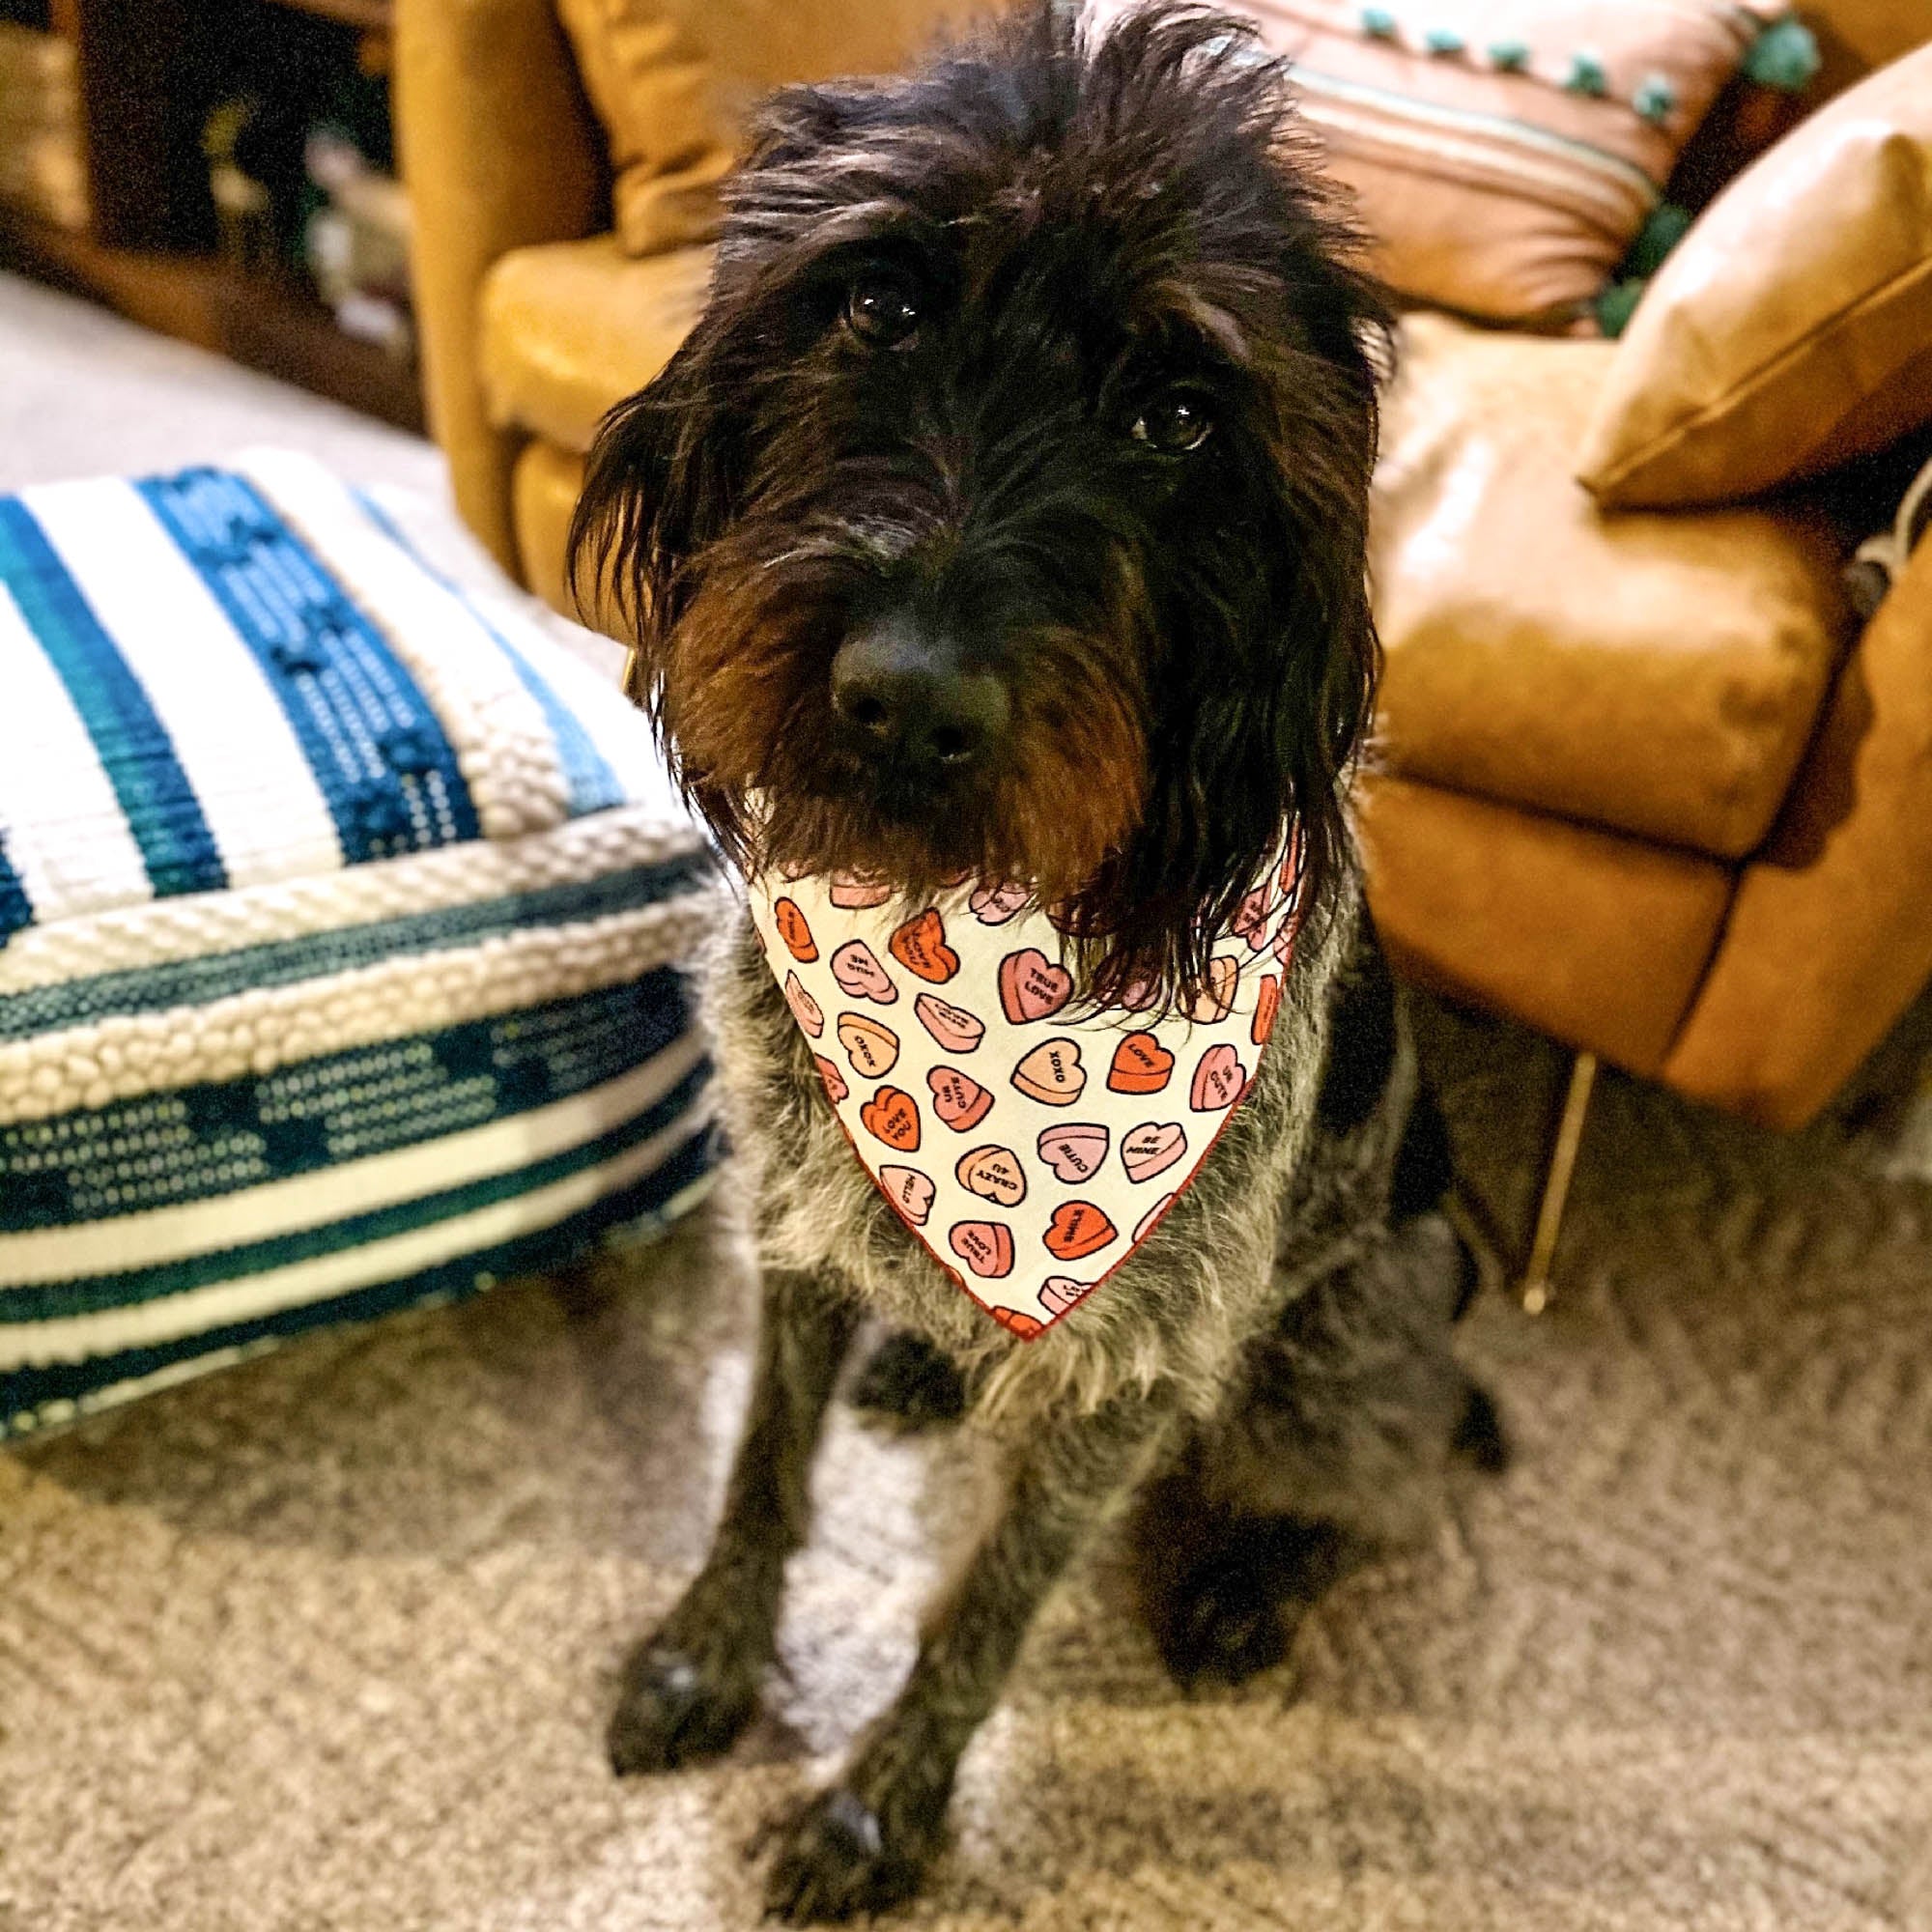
(543, 489)
(1657, 673)
(1598, 940)
(570, 327)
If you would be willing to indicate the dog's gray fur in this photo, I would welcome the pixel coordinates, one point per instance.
(1273, 1348)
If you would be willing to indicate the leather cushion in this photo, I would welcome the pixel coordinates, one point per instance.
(674, 82)
(543, 489)
(1594, 938)
(1792, 328)
(1830, 937)
(1656, 674)
(572, 327)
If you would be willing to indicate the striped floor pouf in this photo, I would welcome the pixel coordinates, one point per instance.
(339, 935)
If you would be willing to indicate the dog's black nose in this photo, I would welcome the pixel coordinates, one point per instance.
(905, 694)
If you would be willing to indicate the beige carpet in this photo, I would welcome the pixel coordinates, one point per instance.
(327, 1642)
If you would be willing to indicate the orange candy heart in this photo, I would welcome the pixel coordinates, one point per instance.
(1141, 1066)
(794, 931)
(920, 947)
(1025, 1326)
(1078, 1229)
(1267, 1005)
(892, 1116)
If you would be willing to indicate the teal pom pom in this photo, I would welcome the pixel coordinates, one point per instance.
(1667, 226)
(1509, 56)
(1617, 303)
(1378, 23)
(1654, 96)
(1586, 75)
(1783, 56)
(1444, 40)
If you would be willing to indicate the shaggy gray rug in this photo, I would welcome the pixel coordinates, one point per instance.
(325, 1643)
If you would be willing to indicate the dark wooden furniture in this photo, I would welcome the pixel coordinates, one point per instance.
(147, 77)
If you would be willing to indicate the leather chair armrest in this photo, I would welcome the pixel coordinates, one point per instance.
(1829, 935)
(499, 150)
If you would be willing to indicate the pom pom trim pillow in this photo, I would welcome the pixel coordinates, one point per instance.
(1504, 157)
(1792, 328)
(339, 927)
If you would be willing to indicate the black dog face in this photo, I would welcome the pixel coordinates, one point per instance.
(1004, 515)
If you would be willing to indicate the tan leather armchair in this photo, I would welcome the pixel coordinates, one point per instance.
(1641, 785)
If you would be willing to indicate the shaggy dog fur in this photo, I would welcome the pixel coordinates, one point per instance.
(1050, 359)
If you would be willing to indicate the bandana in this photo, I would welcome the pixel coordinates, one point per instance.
(1031, 1142)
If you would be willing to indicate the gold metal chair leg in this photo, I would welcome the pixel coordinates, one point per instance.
(1556, 1183)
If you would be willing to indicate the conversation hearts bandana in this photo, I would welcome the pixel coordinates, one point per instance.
(1029, 1141)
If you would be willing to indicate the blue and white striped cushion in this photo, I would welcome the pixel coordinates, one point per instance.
(338, 934)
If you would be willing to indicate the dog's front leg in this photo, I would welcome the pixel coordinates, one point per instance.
(866, 1843)
(689, 1689)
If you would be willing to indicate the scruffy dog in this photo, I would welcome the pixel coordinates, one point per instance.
(1002, 520)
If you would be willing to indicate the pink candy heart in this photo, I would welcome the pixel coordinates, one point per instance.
(994, 905)
(1152, 1148)
(909, 1191)
(857, 969)
(1218, 1080)
(1058, 1292)
(804, 1009)
(1144, 1225)
(1031, 987)
(1073, 1151)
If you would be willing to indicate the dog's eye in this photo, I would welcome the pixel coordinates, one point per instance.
(1175, 426)
(882, 315)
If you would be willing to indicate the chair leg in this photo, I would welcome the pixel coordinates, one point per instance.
(1536, 1287)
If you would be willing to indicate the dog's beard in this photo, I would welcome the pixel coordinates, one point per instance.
(744, 703)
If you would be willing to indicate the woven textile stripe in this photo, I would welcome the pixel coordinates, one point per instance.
(285, 962)
(264, 808)
(342, 914)
(55, 1392)
(593, 784)
(130, 938)
(197, 1143)
(15, 909)
(1567, 174)
(373, 744)
(428, 1239)
(67, 840)
(675, 1087)
(155, 797)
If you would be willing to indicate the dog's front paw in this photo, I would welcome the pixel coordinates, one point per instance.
(841, 1856)
(675, 1708)
(910, 1383)
(1234, 1612)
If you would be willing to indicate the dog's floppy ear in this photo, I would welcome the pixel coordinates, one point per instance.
(661, 482)
(1281, 659)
